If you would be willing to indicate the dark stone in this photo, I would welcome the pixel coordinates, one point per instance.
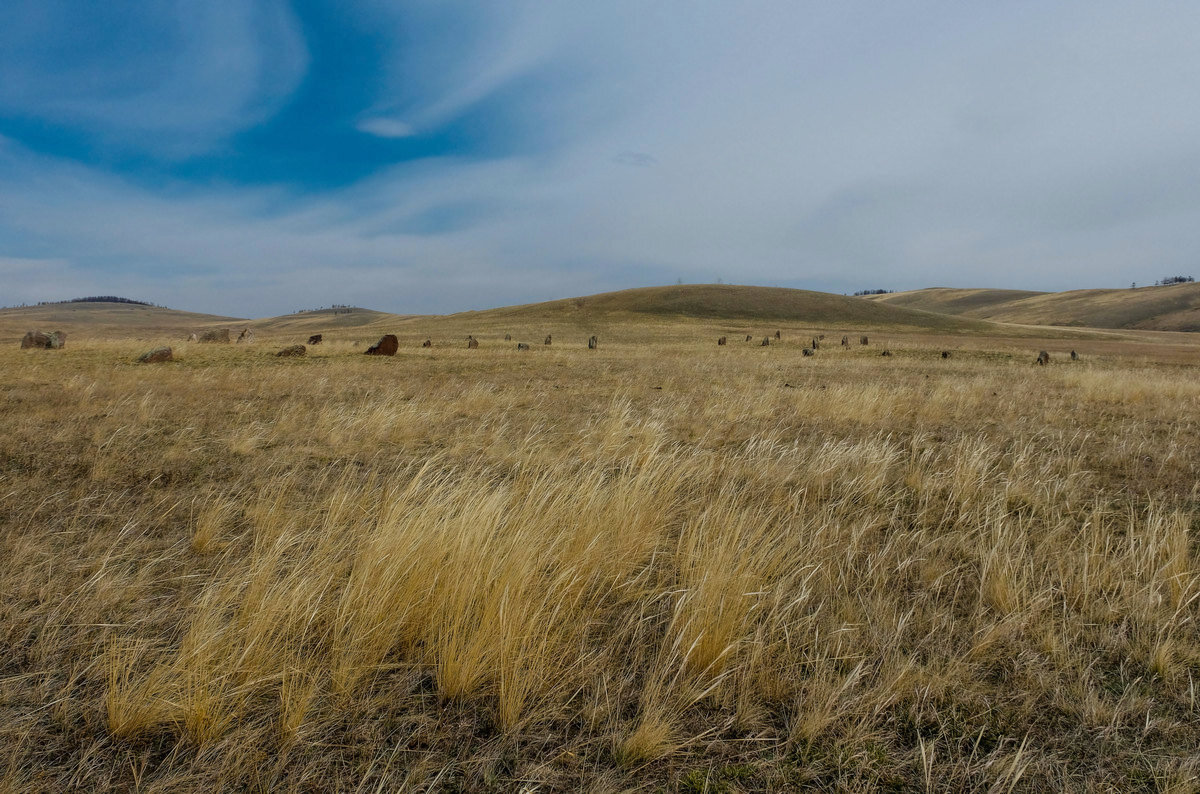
(55, 340)
(766, 341)
(945, 354)
(156, 356)
(806, 351)
(386, 346)
(522, 346)
(291, 351)
(547, 339)
(427, 343)
(472, 342)
(315, 339)
(1043, 358)
(593, 343)
(721, 341)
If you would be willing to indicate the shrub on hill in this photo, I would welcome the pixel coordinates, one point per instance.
(97, 299)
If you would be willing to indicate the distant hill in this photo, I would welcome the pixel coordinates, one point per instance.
(733, 302)
(962, 302)
(105, 319)
(719, 306)
(1171, 308)
(319, 320)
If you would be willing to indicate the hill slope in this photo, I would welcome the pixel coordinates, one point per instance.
(727, 301)
(945, 300)
(1171, 308)
(322, 320)
(102, 319)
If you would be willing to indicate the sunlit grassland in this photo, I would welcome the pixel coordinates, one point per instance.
(660, 564)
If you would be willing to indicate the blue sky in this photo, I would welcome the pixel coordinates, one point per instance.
(253, 158)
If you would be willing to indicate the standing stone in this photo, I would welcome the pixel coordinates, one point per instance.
(472, 342)
(386, 346)
(593, 343)
(210, 337)
(156, 356)
(315, 339)
(55, 340)
(721, 341)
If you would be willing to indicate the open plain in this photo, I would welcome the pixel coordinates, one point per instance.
(660, 565)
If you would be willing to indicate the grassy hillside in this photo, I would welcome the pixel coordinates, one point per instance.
(104, 320)
(324, 321)
(733, 302)
(946, 300)
(636, 316)
(1171, 308)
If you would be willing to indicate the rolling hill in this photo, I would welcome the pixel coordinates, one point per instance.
(324, 319)
(733, 302)
(104, 319)
(1171, 308)
(979, 311)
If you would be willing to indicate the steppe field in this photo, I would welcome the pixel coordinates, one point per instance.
(660, 565)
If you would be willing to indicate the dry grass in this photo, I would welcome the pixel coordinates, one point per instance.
(1174, 307)
(660, 565)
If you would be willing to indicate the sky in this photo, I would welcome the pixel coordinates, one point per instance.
(257, 158)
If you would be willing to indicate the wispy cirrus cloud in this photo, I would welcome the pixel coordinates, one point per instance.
(167, 78)
(386, 128)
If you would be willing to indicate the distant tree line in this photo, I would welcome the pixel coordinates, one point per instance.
(97, 299)
(337, 308)
(1173, 280)
(874, 292)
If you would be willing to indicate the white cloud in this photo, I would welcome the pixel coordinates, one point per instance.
(385, 128)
